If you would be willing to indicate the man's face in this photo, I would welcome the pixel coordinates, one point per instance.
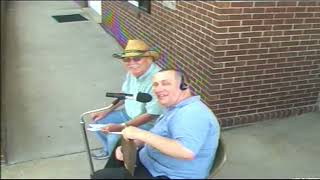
(137, 66)
(166, 88)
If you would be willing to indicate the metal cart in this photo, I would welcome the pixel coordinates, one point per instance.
(83, 129)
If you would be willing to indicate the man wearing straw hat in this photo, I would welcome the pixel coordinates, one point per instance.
(138, 60)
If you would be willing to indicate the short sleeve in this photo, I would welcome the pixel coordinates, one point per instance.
(190, 127)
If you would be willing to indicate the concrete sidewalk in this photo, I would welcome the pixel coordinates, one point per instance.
(54, 72)
(285, 148)
(51, 74)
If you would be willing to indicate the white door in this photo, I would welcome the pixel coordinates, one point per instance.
(95, 5)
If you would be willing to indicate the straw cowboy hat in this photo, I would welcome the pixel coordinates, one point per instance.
(137, 48)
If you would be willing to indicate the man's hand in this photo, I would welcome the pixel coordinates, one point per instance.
(135, 133)
(112, 128)
(119, 154)
(98, 115)
(138, 143)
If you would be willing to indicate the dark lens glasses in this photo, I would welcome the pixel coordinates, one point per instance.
(135, 59)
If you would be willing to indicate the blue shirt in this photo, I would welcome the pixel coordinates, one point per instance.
(192, 124)
(133, 85)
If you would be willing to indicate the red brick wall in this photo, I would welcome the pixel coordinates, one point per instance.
(249, 60)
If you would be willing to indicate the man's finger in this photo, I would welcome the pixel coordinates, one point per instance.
(95, 118)
(105, 129)
(125, 137)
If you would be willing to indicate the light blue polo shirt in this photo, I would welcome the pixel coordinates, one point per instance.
(133, 85)
(193, 125)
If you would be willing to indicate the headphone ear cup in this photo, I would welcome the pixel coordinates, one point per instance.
(183, 86)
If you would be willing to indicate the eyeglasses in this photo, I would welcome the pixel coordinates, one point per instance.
(135, 59)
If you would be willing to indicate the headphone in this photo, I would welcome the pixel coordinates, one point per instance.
(183, 86)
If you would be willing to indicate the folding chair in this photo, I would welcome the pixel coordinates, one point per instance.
(220, 159)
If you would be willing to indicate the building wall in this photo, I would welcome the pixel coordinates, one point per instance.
(249, 61)
(81, 3)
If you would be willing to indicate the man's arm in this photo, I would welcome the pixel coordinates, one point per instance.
(138, 121)
(142, 119)
(165, 145)
(99, 115)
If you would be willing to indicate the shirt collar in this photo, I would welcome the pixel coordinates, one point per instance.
(185, 102)
(147, 73)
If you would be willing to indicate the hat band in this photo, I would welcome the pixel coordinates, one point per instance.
(136, 51)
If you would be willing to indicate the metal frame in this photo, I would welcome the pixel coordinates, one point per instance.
(83, 128)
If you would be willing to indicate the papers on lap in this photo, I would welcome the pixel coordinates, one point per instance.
(97, 127)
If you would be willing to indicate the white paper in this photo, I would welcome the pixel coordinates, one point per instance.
(97, 125)
(94, 129)
(115, 132)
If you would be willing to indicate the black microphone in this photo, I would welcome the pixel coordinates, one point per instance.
(141, 97)
(119, 95)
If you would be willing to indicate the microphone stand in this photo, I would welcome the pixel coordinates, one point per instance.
(83, 127)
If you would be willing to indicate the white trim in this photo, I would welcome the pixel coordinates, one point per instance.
(135, 3)
(95, 5)
(169, 4)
